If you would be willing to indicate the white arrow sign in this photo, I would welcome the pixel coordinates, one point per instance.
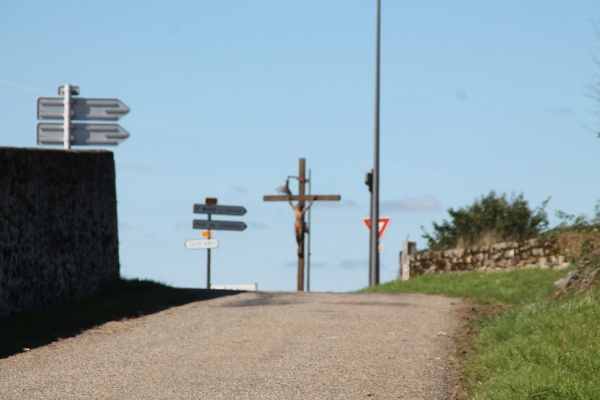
(82, 134)
(202, 244)
(82, 108)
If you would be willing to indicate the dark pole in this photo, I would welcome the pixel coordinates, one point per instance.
(208, 260)
(374, 249)
(301, 193)
(308, 239)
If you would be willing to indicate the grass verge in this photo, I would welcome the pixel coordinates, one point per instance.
(122, 299)
(508, 288)
(537, 348)
(547, 350)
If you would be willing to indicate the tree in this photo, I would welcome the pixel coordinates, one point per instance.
(490, 219)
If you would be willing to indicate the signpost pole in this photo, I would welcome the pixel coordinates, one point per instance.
(308, 239)
(209, 208)
(208, 260)
(67, 117)
(68, 109)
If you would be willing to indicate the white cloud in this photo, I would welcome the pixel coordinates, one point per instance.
(22, 86)
(560, 111)
(427, 203)
(354, 264)
(336, 204)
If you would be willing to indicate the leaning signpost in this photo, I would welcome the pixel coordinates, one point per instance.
(69, 108)
(208, 243)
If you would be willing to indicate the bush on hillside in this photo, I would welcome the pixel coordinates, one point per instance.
(578, 237)
(580, 223)
(490, 219)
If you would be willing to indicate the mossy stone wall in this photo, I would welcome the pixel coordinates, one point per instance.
(531, 253)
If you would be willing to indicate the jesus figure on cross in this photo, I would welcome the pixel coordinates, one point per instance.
(299, 226)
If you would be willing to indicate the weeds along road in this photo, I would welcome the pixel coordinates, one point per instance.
(254, 345)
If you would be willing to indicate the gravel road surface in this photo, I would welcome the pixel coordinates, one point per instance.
(254, 345)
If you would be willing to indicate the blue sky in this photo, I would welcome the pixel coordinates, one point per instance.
(226, 96)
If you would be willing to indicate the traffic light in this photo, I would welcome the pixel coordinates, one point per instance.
(369, 180)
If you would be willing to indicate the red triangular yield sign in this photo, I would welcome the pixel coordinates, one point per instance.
(383, 224)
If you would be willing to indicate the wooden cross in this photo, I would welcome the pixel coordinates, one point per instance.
(300, 209)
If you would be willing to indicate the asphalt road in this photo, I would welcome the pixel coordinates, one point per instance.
(254, 345)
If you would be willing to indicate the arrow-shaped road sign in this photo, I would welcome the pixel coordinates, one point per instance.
(219, 225)
(82, 134)
(217, 209)
(382, 226)
(82, 108)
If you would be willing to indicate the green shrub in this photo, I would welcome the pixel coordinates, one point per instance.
(492, 218)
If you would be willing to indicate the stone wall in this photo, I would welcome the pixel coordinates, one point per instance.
(58, 227)
(501, 256)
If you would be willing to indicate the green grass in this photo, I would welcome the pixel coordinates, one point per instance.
(492, 288)
(540, 349)
(123, 299)
(548, 350)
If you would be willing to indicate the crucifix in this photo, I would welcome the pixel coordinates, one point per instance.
(300, 209)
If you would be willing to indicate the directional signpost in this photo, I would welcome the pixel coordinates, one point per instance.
(82, 109)
(219, 225)
(215, 209)
(82, 134)
(69, 108)
(210, 208)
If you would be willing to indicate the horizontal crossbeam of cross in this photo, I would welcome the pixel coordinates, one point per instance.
(308, 197)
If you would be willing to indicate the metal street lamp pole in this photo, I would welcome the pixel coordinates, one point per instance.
(308, 239)
(302, 194)
(374, 249)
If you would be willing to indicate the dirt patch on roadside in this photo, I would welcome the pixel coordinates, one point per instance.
(465, 340)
